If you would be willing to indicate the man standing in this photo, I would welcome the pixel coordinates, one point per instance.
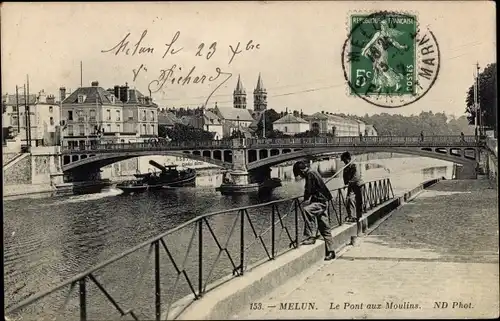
(318, 194)
(353, 181)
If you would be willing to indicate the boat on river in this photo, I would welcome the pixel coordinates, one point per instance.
(230, 188)
(168, 177)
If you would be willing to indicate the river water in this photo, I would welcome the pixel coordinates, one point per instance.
(49, 240)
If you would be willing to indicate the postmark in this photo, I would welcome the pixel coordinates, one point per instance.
(388, 59)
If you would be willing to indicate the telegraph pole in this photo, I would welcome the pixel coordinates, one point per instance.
(28, 104)
(26, 115)
(264, 124)
(478, 97)
(17, 108)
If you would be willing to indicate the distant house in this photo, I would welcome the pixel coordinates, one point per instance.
(370, 131)
(43, 119)
(361, 126)
(233, 119)
(208, 121)
(329, 123)
(167, 119)
(291, 125)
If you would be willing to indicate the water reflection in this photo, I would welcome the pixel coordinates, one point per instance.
(48, 240)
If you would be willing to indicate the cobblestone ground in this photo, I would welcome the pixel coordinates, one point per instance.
(436, 257)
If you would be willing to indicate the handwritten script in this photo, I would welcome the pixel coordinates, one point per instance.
(175, 74)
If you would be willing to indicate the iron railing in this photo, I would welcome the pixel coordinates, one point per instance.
(397, 141)
(492, 145)
(274, 226)
(348, 141)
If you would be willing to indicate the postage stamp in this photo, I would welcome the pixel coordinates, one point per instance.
(388, 60)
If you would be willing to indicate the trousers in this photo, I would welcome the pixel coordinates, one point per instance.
(317, 212)
(354, 200)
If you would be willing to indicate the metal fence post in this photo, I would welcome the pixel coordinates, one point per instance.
(297, 243)
(273, 236)
(242, 240)
(83, 301)
(157, 281)
(200, 257)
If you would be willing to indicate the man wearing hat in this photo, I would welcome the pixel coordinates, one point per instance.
(352, 179)
(318, 196)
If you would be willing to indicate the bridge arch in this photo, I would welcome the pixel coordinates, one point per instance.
(449, 156)
(104, 159)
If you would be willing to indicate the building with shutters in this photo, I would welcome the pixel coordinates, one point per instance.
(93, 115)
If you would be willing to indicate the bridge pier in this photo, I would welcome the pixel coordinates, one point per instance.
(466, 172)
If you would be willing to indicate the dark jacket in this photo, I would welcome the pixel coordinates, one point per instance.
(316, 189)
(351, 175)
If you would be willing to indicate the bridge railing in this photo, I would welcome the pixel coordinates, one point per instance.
(347, 141)
(148, 146)
(435, 141)
(214, 246)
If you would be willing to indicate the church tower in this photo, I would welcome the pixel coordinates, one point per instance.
(239, 96)
(259, 97)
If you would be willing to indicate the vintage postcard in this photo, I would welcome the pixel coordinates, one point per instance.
(249, 160)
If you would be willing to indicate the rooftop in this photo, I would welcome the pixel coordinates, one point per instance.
(230, 113)
(289, 119)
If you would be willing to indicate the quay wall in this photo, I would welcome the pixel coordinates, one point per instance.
(18, 173)
(226, 300)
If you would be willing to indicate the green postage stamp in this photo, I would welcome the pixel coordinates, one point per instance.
(387, 60)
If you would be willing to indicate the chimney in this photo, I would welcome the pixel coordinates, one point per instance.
(62, 93)
(95, 83)
(51, 99)
(117, 92)
(128, 92)
(286, 110)
(123, 94)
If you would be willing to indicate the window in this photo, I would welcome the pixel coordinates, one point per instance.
(92, 115)
(81, 116)
(117, 115)
(108, 114)
(70, 130)
(130, 114)
(82, 130)
(51, 109)
(80, 99)
(14, 109)
(108, 128)
(144, 129)
(14, 121)
(118, 128)
(152, 129)
(52, 121)
(286, 129)
(70, 115)
(152, 115)
(143, 115)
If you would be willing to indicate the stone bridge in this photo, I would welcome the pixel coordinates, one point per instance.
(251, 155)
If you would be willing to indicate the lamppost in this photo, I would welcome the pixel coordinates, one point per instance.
(238, 122)
(264, 123)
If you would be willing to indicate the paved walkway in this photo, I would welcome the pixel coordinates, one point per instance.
(436, 257)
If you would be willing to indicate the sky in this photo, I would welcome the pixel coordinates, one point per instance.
(298, 54)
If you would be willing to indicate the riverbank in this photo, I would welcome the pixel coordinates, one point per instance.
(435, 250)
(21, 190)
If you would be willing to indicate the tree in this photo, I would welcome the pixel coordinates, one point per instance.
(487, 98)
(271, 116)
(276, 134)
(181, 133)
(308, 133)
(162, 131)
